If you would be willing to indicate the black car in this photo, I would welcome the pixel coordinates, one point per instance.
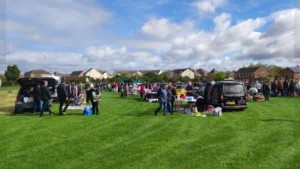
(24, 99)
(229, 95)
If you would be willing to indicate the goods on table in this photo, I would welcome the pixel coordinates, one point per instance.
(259, 98)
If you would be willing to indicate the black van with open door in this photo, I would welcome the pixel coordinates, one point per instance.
(229, 95)
(24, 99)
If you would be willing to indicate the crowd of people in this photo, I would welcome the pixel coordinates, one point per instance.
(166, 92)
(276, 88)
(66, 93)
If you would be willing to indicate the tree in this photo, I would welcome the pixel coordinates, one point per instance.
(197, 79)
(12, 73)
(220, 76)
(186, 79)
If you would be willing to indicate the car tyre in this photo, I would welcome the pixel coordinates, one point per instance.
(18, 110)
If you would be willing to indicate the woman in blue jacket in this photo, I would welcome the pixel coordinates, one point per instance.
(162, 99)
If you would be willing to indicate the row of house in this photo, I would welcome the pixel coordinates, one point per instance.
(243, 74)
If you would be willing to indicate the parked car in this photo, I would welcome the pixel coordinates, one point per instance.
(24, 99)
(231, 95)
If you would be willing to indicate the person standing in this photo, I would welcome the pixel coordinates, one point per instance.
(274, 88)
(190, 92)
(286, 88)
(142, 90)
(46, 97)
(170, 96)
(37, 98)
(266, 91)
(93, 96)
(62, 95)
(162, 100)
(280, 88)
(174, 94)
(292, 88)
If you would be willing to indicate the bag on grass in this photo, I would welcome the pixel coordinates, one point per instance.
(87, 111)
(187, 111)
(217, 111)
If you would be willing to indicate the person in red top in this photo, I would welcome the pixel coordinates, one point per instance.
(142, 90)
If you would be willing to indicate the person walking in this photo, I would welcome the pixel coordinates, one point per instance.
(62, 95)
(37, 98)
(266, 91)
(162, 100)
(286, 88)
(93, 95)
(45, 97)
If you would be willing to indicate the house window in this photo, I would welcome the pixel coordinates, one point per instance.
(247, 74)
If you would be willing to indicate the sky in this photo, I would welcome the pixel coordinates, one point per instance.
(73, 35)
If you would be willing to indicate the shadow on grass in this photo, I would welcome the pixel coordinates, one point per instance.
(279, 120)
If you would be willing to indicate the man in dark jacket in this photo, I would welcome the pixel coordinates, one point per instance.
(62, 95)
(46, 97)
(37, 98)
(162, 99)
(93, 95)
(292, 88)
(286, 88)
(266, 91)
(170, 96)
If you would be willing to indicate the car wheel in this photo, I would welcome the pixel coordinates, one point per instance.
(18, 110)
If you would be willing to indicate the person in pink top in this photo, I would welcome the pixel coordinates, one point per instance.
(142, 90)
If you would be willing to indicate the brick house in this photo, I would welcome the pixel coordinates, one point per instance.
(229, 75)
(290, 73)
(37, 74)
(251, 74)
(76, 75)
(202, 72)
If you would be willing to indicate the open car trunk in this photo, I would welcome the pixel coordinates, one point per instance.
(28, 82)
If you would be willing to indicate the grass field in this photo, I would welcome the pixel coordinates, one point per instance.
(126, 134)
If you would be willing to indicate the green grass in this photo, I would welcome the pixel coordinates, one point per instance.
(126, 134)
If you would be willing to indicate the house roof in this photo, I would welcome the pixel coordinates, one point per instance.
(149, 71)
(213, 71)
(181, 70)
(76, 73)
(202, 72)
(126, 71)
(101, 71)
(248, 70)
(38, 71)
(295, 69)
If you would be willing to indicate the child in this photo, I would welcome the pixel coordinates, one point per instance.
(93, 96)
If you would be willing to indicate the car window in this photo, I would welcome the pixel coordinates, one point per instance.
(233, 89)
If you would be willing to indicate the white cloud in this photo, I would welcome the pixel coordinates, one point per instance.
(59, 15)
(208, 6)
(164, 28)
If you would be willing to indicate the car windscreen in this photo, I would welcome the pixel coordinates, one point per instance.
(233, 89)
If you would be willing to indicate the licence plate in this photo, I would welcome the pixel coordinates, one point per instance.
(231, 103)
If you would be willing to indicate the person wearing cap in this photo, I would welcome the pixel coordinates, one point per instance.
(162, 99)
